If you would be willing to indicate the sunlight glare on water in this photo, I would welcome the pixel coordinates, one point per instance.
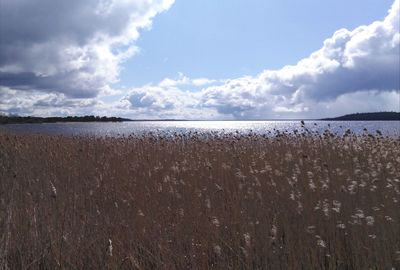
(391, 128)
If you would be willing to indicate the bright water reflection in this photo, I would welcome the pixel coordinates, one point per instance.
(391, 128)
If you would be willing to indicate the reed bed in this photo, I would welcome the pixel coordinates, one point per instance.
(299, 201)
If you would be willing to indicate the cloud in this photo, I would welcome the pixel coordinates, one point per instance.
(363, 60)
(71, 47)
(354, 71)
(44, 104)
(372, 101)
(168, 99)
(186, 81)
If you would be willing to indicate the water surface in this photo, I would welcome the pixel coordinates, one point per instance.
(390, 128)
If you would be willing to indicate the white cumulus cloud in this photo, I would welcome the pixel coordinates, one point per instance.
(363, 60)
(355, 70)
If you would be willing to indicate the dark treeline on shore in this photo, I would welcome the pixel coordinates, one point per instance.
(32, 119)
(375, 116)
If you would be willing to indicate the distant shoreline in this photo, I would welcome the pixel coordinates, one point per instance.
(377, 116)
(68, 119)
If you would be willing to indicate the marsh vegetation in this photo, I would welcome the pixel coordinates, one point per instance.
(299, 201)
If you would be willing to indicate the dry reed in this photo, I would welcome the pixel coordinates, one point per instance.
(300, 201)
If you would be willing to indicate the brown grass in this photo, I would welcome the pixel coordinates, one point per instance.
(193, 202)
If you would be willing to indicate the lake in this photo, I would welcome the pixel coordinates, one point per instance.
(390, 128)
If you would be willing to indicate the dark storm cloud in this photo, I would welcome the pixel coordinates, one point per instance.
(72, 47)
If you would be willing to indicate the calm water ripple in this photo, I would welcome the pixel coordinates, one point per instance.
(390, 128)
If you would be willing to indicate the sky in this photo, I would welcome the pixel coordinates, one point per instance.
(199, 59)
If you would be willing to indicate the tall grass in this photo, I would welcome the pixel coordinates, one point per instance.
(315, 201)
